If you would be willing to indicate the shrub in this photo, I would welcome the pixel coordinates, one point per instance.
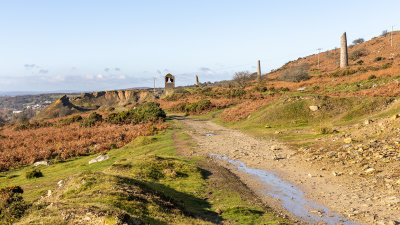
(194, 107)
(35, 173)
(371, 77)
(142, 113)
(358, 53)
(295, 73)
(236, 93)
(384, 32)
(358, 41)
(12, 204)
(91, 120)
(379, 58)
(360, 62)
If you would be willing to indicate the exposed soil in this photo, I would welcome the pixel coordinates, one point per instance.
(349, 196)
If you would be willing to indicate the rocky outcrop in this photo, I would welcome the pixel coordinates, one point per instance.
(92, 101)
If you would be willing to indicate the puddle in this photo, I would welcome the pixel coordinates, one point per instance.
(209, 135)
(291, 197)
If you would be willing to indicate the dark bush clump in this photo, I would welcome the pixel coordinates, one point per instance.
(142, 113)
(12, 205)
(35, 173)
(296, 73)
(91, 120)
(371, 77)
(379, 58)
(360, 62)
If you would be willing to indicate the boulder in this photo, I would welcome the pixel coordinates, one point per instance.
(99, 159)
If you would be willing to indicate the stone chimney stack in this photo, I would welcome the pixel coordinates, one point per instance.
(259, 71)
(344, 61)
(197, 80)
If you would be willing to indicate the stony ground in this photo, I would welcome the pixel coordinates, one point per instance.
(359, 192)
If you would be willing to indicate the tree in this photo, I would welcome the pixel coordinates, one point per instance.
(358, 41)
(384, 32)
(241, 78)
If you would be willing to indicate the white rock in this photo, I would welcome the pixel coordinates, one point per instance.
(369, 170)
(313, 108)
(49, 192)
(99, 159)
(275, 147)
(60, 183)
(392, 200)
(44, 163)
(302, 89)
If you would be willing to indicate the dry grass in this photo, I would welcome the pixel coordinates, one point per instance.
(244, 109)
(23, 147)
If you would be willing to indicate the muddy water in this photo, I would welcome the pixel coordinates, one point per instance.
(290, 196)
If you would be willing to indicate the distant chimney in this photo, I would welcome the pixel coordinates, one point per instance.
(197, 80)
(344, 62)
(259, 71)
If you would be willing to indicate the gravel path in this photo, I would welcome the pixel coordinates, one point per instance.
(343, 195)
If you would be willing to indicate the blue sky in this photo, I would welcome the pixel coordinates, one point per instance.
(91, 45)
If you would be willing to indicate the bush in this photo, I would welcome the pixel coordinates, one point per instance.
(358, 53)
(358, 41)
(91, 120)
(371, 77)
(194, 107)
(384, 32)
(35, 173)
(142, 113)
(379, 58)
(360, 62)
(12, 204)
(235, 93)
(295, 73)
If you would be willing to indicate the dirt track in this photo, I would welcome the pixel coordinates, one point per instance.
(347, 196)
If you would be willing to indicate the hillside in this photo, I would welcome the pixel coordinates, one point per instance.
(374, 60)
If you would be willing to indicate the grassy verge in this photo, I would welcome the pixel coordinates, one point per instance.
(289, 117)
(143, 182)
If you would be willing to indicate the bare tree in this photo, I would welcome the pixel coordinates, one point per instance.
(241, 79)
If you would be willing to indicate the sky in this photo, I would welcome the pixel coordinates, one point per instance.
(90, 45)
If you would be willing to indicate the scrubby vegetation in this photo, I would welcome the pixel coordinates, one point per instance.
(34, 173)
(28, 143)
(194, 107)
(296, 73)
(149, 112)
(12, 204)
